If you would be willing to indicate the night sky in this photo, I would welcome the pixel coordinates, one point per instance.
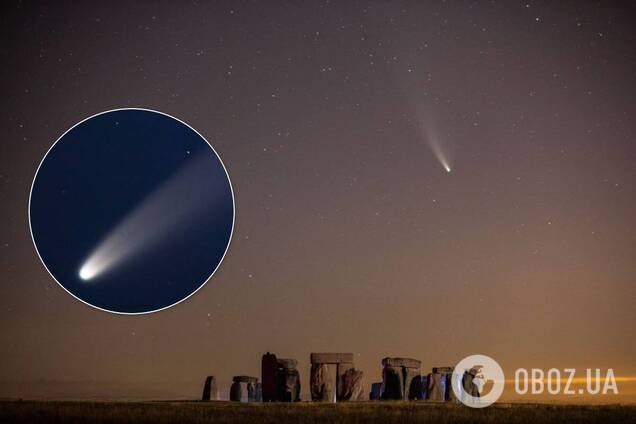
(335, 122)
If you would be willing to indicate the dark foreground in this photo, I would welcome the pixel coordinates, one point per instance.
(359, 412)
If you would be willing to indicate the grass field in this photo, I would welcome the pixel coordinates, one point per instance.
(359, 412)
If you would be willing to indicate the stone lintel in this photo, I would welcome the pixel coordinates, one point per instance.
(331, 358)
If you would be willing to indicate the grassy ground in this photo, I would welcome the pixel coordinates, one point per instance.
(359, 412)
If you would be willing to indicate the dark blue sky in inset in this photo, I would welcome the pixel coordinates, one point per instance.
(98, 174)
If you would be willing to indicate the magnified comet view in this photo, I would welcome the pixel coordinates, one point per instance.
(172, 206)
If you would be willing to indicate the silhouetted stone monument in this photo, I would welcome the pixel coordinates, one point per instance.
(269, 377)
(333, 378)
(288, 380)
(376, 391)
(423, 387)
(322, 382)
(439, 384)
(259, 392)
(401, 378)
(241, 385)
(281, 379)
(236, 392)
(352, 387)
(210, 389)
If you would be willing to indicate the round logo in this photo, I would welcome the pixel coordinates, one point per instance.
(478, 381)
(131, 211)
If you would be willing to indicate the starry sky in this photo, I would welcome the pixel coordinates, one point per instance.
(334, 120)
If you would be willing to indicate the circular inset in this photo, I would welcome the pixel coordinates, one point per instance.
(478, 381)
(131, 211)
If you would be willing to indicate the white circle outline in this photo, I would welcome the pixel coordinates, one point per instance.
(477, 402)
(231, 191)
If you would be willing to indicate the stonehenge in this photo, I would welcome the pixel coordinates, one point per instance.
(244, 389)
(210, 389)
(281, 379)
(333, 378)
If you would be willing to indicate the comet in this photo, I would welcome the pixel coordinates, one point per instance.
(170, 208)
(438, 151)
(425, 124)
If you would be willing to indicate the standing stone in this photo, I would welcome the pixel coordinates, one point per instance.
(333, 377)
(321, 383)
(401, 378)
(435, 387)
(289, 381)
(281, 379)
(259, 392)
(269, 377)
(236, 392)
(251, 392)
(439, 383)
(376, 391)
(341, 369)
(412, 383)
(450, 394)
(210, 389)
(423, 387)
(351, 386)
(393, 383)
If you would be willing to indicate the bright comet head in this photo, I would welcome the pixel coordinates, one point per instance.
(86, 272)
